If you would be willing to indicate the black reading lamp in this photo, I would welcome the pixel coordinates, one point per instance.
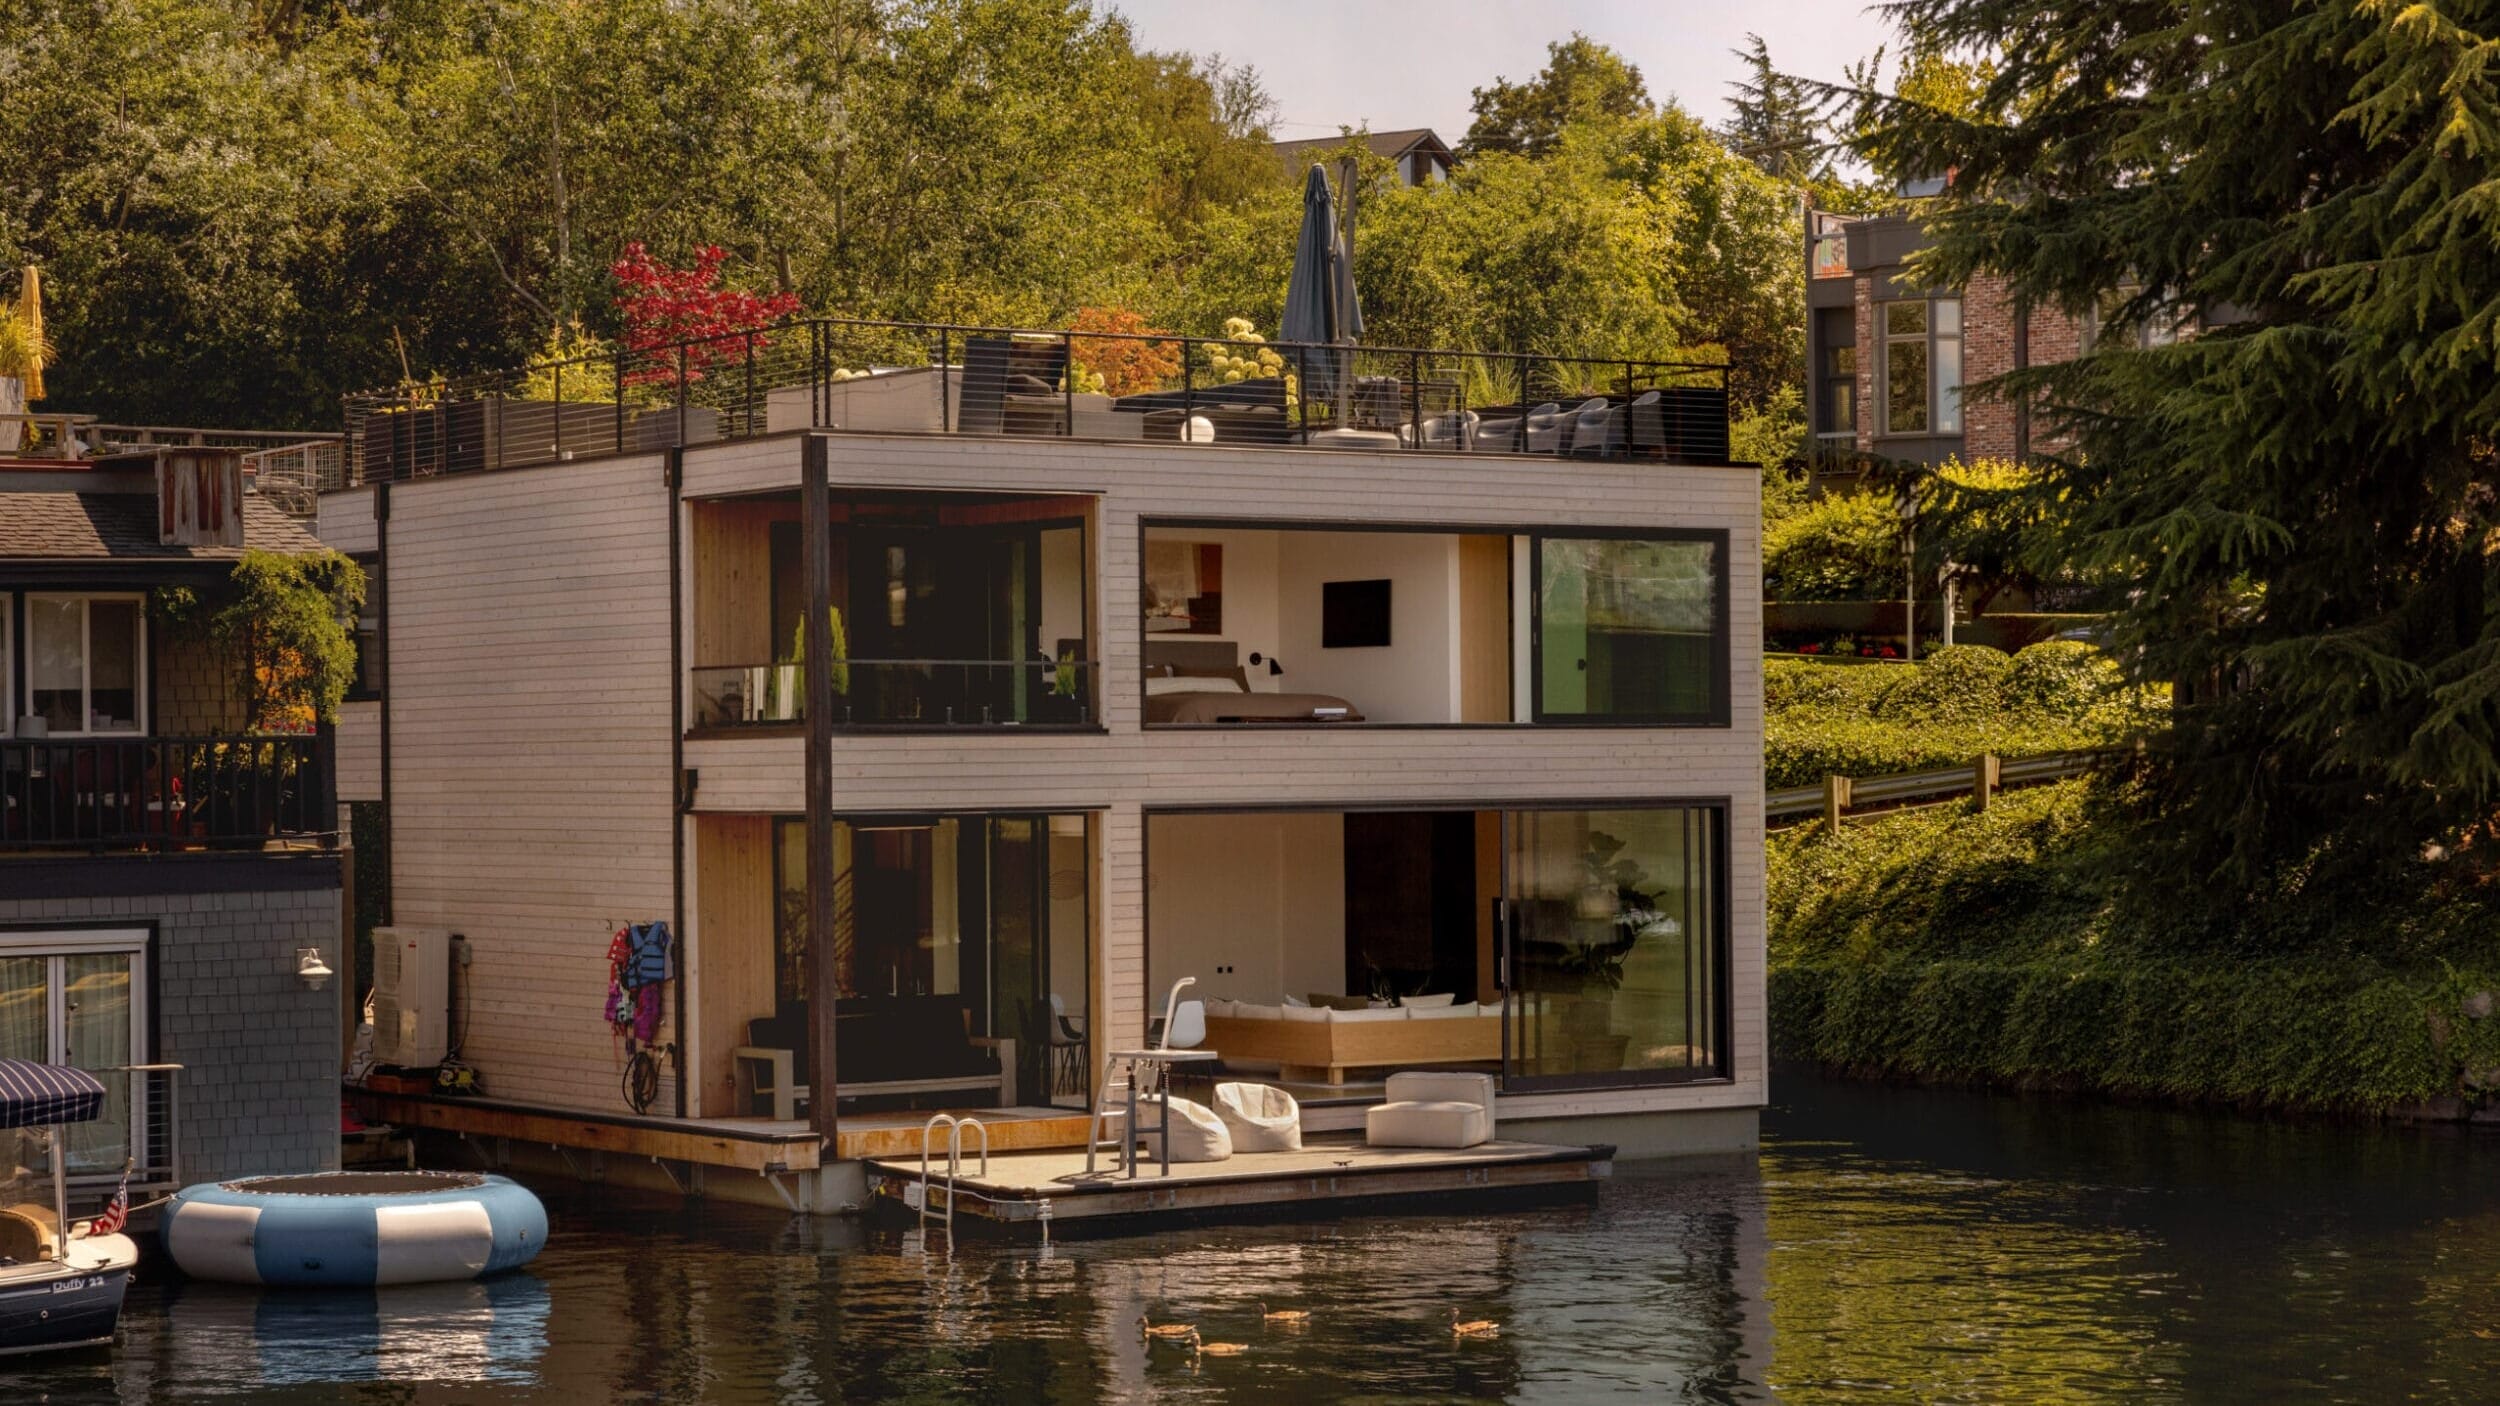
(1274, 669)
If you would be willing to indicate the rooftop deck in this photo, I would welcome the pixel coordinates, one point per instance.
(938, 379)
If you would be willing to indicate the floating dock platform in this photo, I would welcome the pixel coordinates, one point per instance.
(1039, 1192)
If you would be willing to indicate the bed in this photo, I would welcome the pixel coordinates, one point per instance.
(1202, 682)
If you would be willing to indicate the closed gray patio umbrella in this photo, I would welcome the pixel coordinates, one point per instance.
(1320, 306)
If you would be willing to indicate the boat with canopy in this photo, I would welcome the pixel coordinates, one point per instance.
(61, 1282)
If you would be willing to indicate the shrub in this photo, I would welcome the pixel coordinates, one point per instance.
(1842, 546)
(1868, 719)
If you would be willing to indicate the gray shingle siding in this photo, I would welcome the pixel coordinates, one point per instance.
(260, 1089)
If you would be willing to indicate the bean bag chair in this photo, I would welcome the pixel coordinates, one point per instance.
(1197, 1134)
(1432, 1110)
(1260, 1117)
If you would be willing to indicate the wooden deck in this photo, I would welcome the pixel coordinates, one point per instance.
(749, 1144)
(1035, 1191)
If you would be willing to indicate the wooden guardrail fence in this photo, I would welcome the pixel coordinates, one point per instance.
(1981, 778)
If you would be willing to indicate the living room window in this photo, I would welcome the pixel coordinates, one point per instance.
(1631, 629)
(86, 663)
(1922, 365)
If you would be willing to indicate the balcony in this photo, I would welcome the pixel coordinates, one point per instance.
(902, 693)
(167, 793)
(920, 378)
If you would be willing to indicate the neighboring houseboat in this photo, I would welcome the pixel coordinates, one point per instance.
(167, 876)
(1408, 700)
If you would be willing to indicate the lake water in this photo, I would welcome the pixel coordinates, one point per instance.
(1889, 1244)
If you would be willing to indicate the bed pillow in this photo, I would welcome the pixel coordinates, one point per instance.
(1425, 1003)
(1157, 687)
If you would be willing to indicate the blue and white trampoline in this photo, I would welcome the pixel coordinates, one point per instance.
(354, 1228)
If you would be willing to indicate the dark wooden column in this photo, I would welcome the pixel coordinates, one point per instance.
(816, 517)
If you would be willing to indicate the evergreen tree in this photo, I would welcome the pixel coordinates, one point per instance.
(1774, 119)
(2301, 503)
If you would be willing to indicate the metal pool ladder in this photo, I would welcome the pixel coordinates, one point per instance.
(918, 1196)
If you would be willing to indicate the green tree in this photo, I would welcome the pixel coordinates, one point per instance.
(2300, 498)
(1582, 80)
(1775, 120)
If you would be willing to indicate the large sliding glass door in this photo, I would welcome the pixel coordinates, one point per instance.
(1614, 946)
(981, 921)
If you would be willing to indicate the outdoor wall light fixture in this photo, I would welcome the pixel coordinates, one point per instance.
(310, 969)
(1274, 669)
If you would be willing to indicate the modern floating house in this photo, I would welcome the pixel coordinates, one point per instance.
(1407, 700)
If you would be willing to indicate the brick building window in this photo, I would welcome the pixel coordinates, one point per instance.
(1921, 366)
(1840, 390)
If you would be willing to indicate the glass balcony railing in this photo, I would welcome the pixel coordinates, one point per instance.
(903, 693)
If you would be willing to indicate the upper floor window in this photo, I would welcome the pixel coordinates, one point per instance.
(86, 663)
(1632, 629)
(1922, 365)
(2109, 326)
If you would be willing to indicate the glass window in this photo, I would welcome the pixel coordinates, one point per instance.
(1840, 390)
(368, 680)
(1615, 941)
(73, 999)
(1948, 362)
(1905, 386)
(1631, 629)
(84, 663)
(987, 916)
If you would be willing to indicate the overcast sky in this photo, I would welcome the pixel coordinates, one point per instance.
(1412, 63)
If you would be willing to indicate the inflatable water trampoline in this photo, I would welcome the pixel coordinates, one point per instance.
(354, 1228)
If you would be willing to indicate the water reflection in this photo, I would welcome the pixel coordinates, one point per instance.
(1918, 1246)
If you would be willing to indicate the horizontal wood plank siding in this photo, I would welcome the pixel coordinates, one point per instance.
(530, 751)
(344, 521)
(360, 751)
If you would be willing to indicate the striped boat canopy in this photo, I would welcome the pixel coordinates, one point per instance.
(32, 1095)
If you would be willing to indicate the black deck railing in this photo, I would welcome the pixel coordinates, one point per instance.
(903, 693)
(926, 378)
(166, 793)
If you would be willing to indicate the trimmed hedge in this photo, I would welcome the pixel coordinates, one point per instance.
(2004, 948)
(1868, 719)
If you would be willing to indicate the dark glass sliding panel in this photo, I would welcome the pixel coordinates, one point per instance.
(1631, 630)
(1616, 956)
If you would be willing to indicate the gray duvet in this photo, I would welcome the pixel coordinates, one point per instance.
(1234, 706)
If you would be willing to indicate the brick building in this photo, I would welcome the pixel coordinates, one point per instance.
(1889, 356)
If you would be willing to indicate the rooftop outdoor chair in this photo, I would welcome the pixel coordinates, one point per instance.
(1012, 387)
(1500, 431)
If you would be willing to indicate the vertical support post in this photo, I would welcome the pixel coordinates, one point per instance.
(816, 518)
(1985, 776)
(1835, 799)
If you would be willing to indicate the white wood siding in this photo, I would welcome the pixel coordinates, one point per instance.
(360, 751)
(344, 521)
(530, 782)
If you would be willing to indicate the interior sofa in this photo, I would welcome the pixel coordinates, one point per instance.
(1314, 1044)
(881, 1045)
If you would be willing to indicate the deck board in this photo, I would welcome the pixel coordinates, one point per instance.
(1028, 1188)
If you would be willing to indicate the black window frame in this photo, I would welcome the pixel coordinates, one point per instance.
(1718, 713)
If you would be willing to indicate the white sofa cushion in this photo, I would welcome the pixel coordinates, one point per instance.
(1468, 1011)
(1425, 1003)
(1427, 1123)
(1373, 1014)
(1260, 1117)
(1440, 1086)
(1197, 1134)
(1311, 1013)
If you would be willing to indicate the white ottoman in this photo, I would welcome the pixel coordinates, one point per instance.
(1261, 1118)
(1197, 1134)
(1432, 1110)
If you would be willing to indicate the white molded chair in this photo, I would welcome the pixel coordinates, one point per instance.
(1261, 1117)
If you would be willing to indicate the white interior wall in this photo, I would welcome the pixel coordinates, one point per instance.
(1063, 586)
(1249, 590)
(1414, 679)
(1522, 632)
(1260, 893)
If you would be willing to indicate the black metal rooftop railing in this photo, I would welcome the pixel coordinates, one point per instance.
(925, 378)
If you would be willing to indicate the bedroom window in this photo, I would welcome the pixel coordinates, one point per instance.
(86, 664)
(1632, 630)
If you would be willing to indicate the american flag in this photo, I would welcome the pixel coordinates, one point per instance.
(116, 1213)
